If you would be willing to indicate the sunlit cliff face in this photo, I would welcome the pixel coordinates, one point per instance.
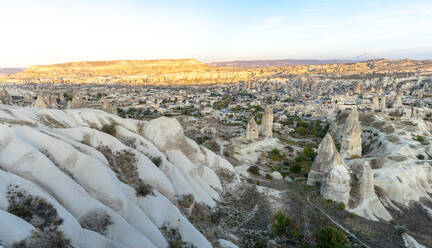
(191, 71)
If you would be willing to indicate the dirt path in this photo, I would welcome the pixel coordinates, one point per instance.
(336, 223)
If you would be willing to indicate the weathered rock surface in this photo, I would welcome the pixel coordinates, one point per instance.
(108, 107)
(363, 199)
(351, 142)
(5, 98)
(252, 130)
(336, 184)
(267, 123)
(46, 101)
(327, 157)
(77, 102)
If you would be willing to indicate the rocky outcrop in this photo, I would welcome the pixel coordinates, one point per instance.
(336, 184)
(383, 103)
(327, 157)
(46, 101)
(351, 142)
(375, 103)
(267, 123)
(108, 107)
(252, 131)
(77, 102)
(363, 199)
(5, 98)
(398, 101)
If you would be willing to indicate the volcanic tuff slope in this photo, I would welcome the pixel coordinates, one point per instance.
(190, 71)
(100, 180)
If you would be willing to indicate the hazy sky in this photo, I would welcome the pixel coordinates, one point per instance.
(48, 31)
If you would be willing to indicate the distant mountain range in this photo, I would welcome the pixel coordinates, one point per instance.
(194, 72)
(288, 62)
(279, 62)
(11, 70)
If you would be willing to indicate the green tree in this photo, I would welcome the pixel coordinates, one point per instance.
(330, 237)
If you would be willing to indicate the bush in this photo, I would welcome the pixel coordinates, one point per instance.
(420, 156)
(203, 139)
(355, 156)
(268, 176)
(330, 237)
(400, 230)
(253, 170)
(282, 224)
(143, 189)
(295, 168)
(338, 147)
(341, 206)
(109, 129)
(275, 155)
(420, 138)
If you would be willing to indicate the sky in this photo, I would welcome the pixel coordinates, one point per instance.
(34, 32)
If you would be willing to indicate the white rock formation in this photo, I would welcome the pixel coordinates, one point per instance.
(327, 157)
(336, 184)
(375, 103)
(383, 102)
(363, 200)
(252, 131)
(5, 98)
(45, 100)
(108, 107)
(267, 123)
(89, 176)
(398, 100)
(77, 102)
(351, 142)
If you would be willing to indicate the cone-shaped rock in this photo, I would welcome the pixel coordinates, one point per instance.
(375, 103)
(336, 184)
(5, 98)
(351, 142)
(363, 200)
(398, 101)
(108, 107)
(267, 123)
(252, 131)
(77, 102)
(327, 157)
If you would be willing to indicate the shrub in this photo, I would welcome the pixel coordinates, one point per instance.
(420, 156)
(341, 206)
(96, 220)
(355, 156)
(143, 189)
(268, 176)
(309, 152)
(393, 222)
(338, 147)
(400, 230)
(330, 237)
(275, 155)
(157, 161)
(109, 129)
(295, 168)
(282, 224)
(420, 138)
(253, 170)
(187, 201)
(203, 139)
